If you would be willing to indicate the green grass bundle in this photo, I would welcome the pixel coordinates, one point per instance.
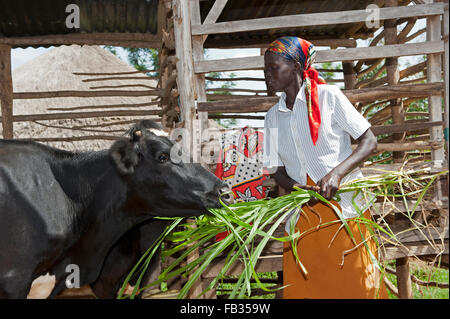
(252, 225)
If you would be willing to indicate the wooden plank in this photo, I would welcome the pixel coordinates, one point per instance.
(417, 249)
(262, 104)
(316, 19)
(267, 264)
(264, 43)
(6, 91)
(399, 207)
(135, 40)
(429, 167)
(350, 54)
(215, 12)
(400, 128)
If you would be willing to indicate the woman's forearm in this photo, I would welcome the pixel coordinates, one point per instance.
(282, 178)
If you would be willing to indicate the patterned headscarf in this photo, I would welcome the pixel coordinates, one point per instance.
(299, 50)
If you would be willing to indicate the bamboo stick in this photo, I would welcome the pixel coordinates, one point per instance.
(56, 94)
(79, 115)
(137, 105)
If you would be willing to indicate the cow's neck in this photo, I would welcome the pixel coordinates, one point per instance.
(101, 195)
(94, 186)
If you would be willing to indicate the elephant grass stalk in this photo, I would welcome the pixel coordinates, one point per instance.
(251, 225)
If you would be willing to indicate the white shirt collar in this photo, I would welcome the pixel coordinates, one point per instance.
(300, 96)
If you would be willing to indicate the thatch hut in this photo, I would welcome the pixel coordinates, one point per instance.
(79, 68)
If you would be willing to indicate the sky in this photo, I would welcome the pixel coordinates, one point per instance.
(20, 56)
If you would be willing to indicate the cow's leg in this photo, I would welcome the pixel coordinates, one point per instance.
(60, 285)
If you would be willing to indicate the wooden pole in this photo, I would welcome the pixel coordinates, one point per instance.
(393, 77)
(200, 85)
(403, 278)
(185, 80)
(349, 75)
(434, 74)
(446, 79)
(185, 68)
(6, 91)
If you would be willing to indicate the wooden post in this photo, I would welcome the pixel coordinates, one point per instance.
(200, 86)
(446, 79)
(393, 77)
(6, 91)
(403, 278)
(434, 75)
(349, 75)
(185, 68)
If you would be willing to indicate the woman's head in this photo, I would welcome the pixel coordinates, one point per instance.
(279, 72)
(285, 60)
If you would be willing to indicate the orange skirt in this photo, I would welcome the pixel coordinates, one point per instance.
(338, 271)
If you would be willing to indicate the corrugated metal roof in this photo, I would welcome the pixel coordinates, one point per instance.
(33, 18)
(252, 9)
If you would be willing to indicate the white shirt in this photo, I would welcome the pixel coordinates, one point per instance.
(288, 143)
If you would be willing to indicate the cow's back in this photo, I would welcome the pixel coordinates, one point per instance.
(34, 210)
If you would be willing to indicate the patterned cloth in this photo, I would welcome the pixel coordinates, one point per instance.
(240, 166)
(299, 50)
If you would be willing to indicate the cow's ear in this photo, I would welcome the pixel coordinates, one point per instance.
(124, 155)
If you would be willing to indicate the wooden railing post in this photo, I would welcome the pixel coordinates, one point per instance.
(6, 91)
(403, 278)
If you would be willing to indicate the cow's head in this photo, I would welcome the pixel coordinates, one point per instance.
(158, 182)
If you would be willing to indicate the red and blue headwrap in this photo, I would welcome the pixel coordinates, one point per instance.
(299, 50)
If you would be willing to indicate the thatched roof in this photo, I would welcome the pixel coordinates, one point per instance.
(54, 71)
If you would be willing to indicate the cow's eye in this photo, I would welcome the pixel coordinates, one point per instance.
(164, 157)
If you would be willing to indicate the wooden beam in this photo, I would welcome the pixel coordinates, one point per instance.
(214, 13)
(351, 54)
(262, 104)
(403, 74)
(264, 43)
(401, 128)
(80, 115)
(316, 19)
(6, 91)
(406, 146)
(135, 40)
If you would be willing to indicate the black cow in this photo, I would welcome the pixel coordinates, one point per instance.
(59, 208)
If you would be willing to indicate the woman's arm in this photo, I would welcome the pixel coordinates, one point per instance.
(329, 184)
(282, 179)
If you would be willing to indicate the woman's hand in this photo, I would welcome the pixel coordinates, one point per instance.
(329, 184)
(307, 187)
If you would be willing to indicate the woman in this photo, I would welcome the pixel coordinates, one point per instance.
(307, 144)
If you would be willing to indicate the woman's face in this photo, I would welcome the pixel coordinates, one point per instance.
(279, 72)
